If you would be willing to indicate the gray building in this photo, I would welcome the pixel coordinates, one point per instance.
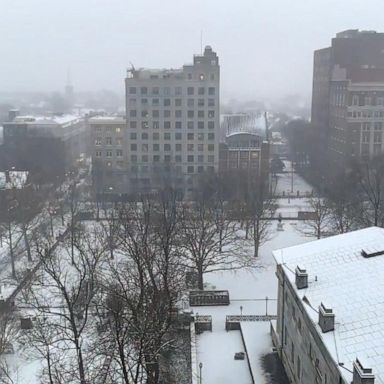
(348, 97)
(172, 132)
(330, 325)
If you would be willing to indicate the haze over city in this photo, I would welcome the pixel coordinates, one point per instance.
(266, 48)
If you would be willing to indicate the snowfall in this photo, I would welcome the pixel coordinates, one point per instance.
(248, 290)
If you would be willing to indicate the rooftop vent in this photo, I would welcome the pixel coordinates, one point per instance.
(372, 252)
(301, 278)
(362, 375)
(326, 319)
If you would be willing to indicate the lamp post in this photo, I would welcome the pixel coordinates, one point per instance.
(200, 376)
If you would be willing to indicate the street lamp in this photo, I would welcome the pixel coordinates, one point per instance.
(201, 368)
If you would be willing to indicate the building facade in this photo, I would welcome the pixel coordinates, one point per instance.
(46, 146)
(172, 132)
(329, 325)
(348, 96)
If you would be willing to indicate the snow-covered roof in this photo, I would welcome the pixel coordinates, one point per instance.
(16, 179)
(107, 119)
(352, 286)
(63, 120)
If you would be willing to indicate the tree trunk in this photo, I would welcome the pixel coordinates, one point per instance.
(26, 242)
(11, 250)
(200, 280)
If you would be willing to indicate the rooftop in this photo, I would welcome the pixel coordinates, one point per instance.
(63, 120)
(352, 285)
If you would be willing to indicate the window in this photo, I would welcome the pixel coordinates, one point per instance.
(167, 136)
(118, 130)
(190, 136)
(97, 129)
(211, 147)
(155, 102)
(133, 136)
(120, 163)
(211, 159)
(200, 125)
(191, 102)
(144, 136)
(98, 141)
(211, 114)
(156, 147)
(132, 101)
(190, 90)
(178, 136)
(167, 113)
(167, 124)
(144, 124)
(144, 147)
(155, 91)
(119, 153)
(178, 158)
(132, 90)
(178, 113)
(200, 114)
(144, 113)
(167, 147)
(355, 100)
(155, 125)
(178, 103)
(200, 169)
(133, 147)
(190, 125)
(200, 147)
(144, 158)
(211, 91)
(155, 113)
(200, 103)
(98, 154)
(190, 147)
(109, 153)
(178, 125)
(190, 169)
(132, 113)
(189, 76)
(133, 124)
(211, 124)
(201, 91)
(178, 147)
(211, 136)
(155, 135)
(167, 91)
(200, 136)
(191, 159)
(156, 158)
(144, 101)
(167, 102)
(200, 158)
(108, 140)
(378, 126)
(190, 114)
(178, 91)
(212, 75)
(134, 158)
(144, 90)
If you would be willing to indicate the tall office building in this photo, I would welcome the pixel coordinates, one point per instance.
(348, 97)
(172, 130)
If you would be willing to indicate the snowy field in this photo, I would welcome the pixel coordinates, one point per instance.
(247, 289)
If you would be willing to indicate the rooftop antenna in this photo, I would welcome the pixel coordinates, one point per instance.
(266, 126)
(201, 42)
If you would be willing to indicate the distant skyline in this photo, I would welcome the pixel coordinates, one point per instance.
(265, 47)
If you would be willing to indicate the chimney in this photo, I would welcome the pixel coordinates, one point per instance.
(362, 375)
(301, 278)
(326, 319)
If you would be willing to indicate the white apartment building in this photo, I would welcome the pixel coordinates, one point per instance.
(173, 122)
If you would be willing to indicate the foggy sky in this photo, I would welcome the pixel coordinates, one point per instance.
(265, 46)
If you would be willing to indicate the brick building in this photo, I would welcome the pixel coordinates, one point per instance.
(348, 97)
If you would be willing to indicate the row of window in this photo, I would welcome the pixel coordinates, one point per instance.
(118, 152)
(176, 158)
(367, 113)
(377, 137)
(178, 147)
(378, 126)
(107, 128)
(109, 141)
(167, 91)
(178, 168)
(177, 102)
(168, 125)
(178, 113)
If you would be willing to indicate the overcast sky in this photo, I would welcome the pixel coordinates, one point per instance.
(265, 46)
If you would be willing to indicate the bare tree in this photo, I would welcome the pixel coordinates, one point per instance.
(317, 222)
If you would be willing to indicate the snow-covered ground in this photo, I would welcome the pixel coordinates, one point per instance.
(248, 289)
